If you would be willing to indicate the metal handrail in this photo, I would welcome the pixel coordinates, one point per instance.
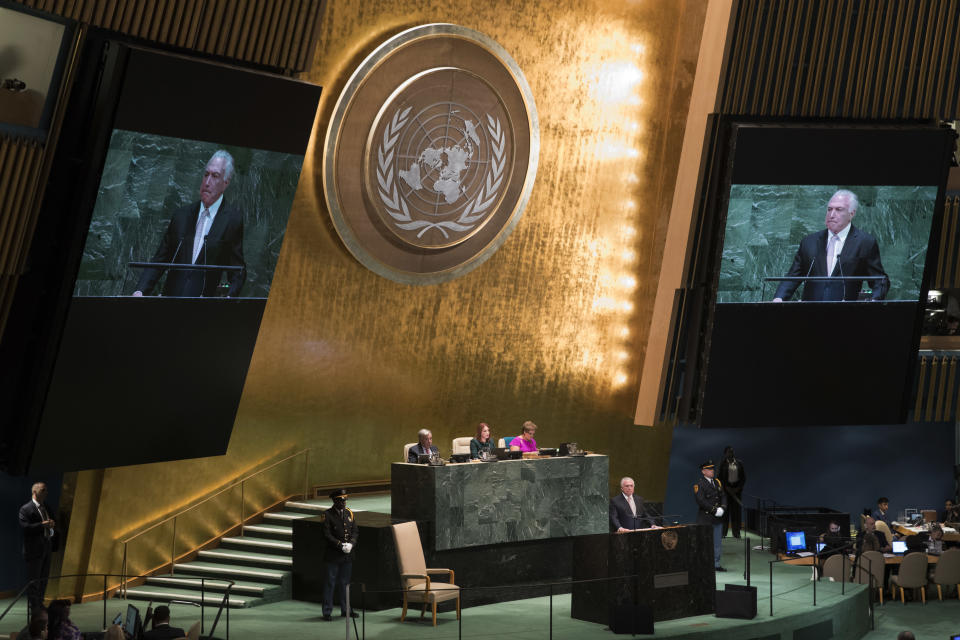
(241, 482)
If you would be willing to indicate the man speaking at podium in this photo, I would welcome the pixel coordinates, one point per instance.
(208, 232)
(840, 250)
(627, 511)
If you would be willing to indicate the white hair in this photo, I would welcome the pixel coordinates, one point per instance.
(227, 163)
(851, 197)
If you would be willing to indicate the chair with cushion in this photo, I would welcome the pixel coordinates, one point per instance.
(506, 441)
(406, 450)
(885, 530)
(501, 444)
(913, 575)
(837, 568)
(415, 576)
(194, 632)
(947, 571)
(872, 565)
(461, 445)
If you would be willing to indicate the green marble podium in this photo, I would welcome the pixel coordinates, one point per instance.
(484, 503)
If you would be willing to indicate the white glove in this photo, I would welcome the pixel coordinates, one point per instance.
(346, 547)
(719, 512)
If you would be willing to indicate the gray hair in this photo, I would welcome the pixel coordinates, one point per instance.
(423, 433)
(227, 163)
(851, 197)
(625, 478)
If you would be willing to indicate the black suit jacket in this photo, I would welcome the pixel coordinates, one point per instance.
(860, 257)
(417, 450)
(709, 496)
(621, 516)
(35, 542)
(164, 632)
(339, 527)
(223, 245)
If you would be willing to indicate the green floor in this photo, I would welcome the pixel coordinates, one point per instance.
(531, 618)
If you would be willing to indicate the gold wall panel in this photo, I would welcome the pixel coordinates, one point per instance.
(552, 328)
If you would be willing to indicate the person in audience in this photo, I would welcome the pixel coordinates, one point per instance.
(882, 512)
(161, 626)
(935, 542)
(732, 476)
(424, 447)
(482, 442)
(833, 539)
(627, 511)
(525, 442)
(906, 635)
(951, 511)
(115, 632)
(341, 532)
(61, 627)
(711, 504)
(869, 539)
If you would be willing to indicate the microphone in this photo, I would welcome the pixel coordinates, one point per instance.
(177, 250)
(843, 283)
(203, 274)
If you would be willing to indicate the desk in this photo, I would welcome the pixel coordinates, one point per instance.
(470, 505)
(888, 559)
(949, 535)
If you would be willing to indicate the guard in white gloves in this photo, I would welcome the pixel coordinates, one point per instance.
(711, 504)
(340, 529)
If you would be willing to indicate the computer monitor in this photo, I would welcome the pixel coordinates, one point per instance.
(900, 546)
(821, 546)
(132, 621)
(796, 541)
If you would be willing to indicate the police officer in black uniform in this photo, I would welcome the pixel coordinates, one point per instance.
(340, 530)
(711, 505)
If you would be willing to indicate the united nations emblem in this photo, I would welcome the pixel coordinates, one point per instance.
(428, 166)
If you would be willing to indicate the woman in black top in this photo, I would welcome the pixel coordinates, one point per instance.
(482, 441)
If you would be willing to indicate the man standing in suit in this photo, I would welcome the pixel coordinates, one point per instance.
(711, 505)
(627, 511)
(732, 476)
(340, 531)
(161, 626)
(208, 232)
(840, 250)
(38, 534)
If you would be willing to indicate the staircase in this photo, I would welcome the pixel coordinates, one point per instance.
(260, 563)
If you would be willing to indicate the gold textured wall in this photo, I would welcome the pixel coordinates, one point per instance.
(552, 328)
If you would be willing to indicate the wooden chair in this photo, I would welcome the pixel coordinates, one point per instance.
(461, 445)
(913, 575)
(415, 576)
(837, 568)
(194, 632)
(871, 565)
(406, 450)
(947, 571)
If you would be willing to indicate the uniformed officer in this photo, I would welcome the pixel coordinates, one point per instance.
(340, 530)
(711, 503)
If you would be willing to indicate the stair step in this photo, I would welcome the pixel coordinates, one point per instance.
(272, 531)
(166, 594)
(314, 508)
(286, 516)
(212, 585)
(247, 558)
(231, 571)
(260, 545)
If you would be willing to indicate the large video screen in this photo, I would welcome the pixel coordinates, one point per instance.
(814, 257)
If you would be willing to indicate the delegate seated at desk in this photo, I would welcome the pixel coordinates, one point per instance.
(482, 442)
(833, 542)
(627, 511)
(424, 447)
(869, 539)
(525, 442)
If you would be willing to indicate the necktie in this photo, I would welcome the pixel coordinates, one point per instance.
(633, 506)
(831, 253)
(198, 235)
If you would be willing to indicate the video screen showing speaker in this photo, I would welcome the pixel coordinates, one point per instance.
(178, 186)
(815, 248)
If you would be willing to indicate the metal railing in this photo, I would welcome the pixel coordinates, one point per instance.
(223, 604)
(239, 522)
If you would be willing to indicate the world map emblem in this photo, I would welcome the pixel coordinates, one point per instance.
(431, 154)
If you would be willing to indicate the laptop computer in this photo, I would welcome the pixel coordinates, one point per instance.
(899, 547)
(504, 453)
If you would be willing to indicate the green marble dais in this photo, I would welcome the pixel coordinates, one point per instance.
(765, 224)
(147, 177)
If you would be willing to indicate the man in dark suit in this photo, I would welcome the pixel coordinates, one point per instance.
(340, 530)
(711, 505)
(161, 626)
(627, 511)
(424, 447)
(38, 541)
(840, 250)
(208, 232)
(732, 477)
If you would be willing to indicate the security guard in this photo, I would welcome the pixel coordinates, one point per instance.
(711, 503)
(340, 530)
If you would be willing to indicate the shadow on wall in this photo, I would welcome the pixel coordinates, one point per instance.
(844, 468)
